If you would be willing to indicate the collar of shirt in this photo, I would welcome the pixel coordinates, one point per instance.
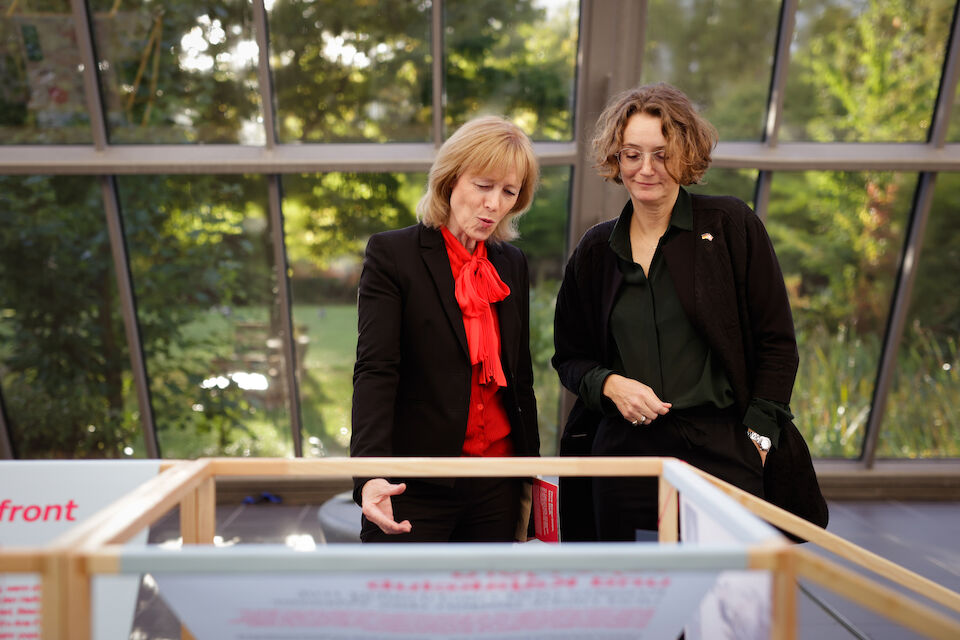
(681, 218)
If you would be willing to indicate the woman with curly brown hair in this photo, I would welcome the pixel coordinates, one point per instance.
(673, 326)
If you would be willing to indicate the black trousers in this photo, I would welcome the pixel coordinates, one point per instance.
(708, 438)
(469, 510)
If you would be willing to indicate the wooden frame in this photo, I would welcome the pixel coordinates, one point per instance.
(68, 564)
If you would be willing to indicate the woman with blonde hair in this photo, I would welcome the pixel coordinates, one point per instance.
(443, 360)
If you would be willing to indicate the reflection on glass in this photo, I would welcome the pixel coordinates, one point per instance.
(515, 59)
(543, 238)
(865, 71)
(922, 413)
(740, 183)
(838, 238)
(179, 72)
(720, 54)
(328, 219)
(41, 75)
(351, 71)
(64, 364)
(204, 278)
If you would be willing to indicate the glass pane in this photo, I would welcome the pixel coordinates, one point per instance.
(865, 71)
(516, 59)
(543, 238)
(327, 220)
(179, 73)
(838, 238)
(203, 273)
(741, 183)
(724, 68)
(64, 364)
(41, 75)
(922, 414)
(351, 71)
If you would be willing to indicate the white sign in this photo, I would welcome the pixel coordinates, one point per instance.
(42, 499)
(556, 605)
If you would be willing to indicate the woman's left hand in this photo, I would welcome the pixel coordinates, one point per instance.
(378, 508)
(635, 401)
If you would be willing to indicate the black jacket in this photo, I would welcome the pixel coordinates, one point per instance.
(730, 284)
(728, 280)
(411, 381)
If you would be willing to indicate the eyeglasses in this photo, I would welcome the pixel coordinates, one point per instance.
(631, 159)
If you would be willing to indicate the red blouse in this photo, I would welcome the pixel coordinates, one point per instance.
(488, 427)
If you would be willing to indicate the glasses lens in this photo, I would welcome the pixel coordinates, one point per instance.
(634, 158)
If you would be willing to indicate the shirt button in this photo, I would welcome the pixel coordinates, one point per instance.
(480, 406)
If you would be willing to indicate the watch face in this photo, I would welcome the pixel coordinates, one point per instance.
(764, 443)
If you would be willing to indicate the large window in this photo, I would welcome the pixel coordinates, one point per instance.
(41, 94)
(865, 71)
(64, 362)
(724, 67)
(922, 416)
(187, 189)
(838, 236)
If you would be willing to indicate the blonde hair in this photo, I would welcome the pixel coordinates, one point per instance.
(690, 137)
(490, 146)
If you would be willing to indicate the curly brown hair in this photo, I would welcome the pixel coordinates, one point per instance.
(690, 137)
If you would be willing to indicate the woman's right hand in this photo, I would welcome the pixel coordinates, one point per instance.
(636, 401)
(377, 507)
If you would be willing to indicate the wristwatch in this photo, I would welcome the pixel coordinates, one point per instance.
(762, 441)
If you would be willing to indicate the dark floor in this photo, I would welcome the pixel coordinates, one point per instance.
(921, 536)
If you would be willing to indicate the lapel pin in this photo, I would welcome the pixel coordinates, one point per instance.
(706, 236)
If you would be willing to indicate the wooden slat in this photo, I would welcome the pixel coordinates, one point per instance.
(844, 548)
(66, 613)
(783, 625)
(22, 560)
(437, 467)
(877, 598)
(198, 513)
(668, 500)
(127, 516)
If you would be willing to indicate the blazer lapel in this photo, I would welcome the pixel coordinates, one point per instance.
(434, 253)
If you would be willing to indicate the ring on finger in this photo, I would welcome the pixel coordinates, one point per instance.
(643, 419)
(635, 422)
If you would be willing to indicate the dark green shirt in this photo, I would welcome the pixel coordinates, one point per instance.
(655, 341)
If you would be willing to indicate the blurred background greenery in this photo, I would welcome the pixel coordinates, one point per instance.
(200, 246)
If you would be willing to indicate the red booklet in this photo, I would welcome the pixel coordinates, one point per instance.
(546, 511)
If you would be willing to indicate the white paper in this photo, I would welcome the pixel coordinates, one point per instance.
(41, 500)
(405, 606)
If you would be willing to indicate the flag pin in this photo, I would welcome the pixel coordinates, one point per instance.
(706, 236)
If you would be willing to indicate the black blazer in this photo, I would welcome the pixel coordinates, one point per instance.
(411, 381)
(731, 287)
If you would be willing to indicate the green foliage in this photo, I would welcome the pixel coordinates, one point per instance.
(831, 400)
(351, 71)
(62, 365)
(867, 71)
(719, 53)
(178, 74)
